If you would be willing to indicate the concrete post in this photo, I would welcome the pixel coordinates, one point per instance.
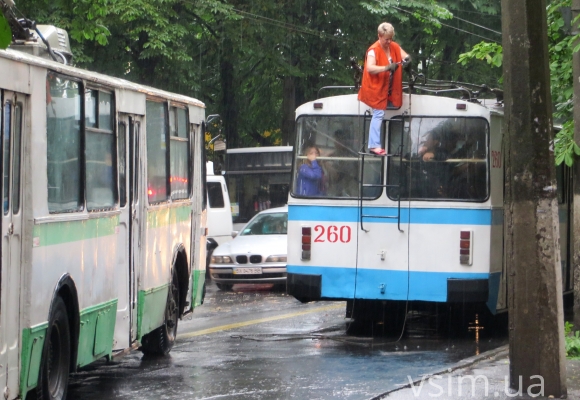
(531, 208)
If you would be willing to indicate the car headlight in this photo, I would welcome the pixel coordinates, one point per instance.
(276, 259)
(221, 260)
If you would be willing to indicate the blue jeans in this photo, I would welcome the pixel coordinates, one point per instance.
(375, 129)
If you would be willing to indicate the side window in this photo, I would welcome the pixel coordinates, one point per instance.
(6, 155)
(63, 131)
(156, 151)
(215, 195)
(122, 165)
(17, 137)
(179, 165)
(100, 149)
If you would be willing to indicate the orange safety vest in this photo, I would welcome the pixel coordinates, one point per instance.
(374, 90)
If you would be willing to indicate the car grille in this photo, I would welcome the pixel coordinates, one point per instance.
(253, 259)
(256, 276)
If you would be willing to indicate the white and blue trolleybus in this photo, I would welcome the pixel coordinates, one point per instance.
(422, 225)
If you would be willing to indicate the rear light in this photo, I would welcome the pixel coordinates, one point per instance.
(306, 242)
(466, 247)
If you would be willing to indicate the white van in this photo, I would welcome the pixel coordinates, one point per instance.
(219, 211)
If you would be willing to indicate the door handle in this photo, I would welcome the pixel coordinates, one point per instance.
(10, 228)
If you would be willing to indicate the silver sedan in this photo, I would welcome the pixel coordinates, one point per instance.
(256, 255)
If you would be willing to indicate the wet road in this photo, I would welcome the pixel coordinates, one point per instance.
(255, 343)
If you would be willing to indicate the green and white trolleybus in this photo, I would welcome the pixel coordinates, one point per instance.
(103, 220)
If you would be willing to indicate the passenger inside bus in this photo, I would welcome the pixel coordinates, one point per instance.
(450, 160)
(310, 176)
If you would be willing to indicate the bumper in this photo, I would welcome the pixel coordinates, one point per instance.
(274, 274)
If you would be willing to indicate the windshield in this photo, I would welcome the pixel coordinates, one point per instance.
(327, 162)
(442, 158)
(267, 224)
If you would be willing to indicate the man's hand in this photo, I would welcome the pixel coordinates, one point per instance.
(392, 67)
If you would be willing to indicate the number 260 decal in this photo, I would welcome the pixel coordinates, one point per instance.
(332, 234)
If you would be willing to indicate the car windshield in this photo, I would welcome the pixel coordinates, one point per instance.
(267, 224)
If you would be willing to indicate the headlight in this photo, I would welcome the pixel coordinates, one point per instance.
(276, 259)
(221, 260)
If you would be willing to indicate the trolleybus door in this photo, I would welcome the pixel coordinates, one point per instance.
(13, 106)
(382, 261)
(129, 167)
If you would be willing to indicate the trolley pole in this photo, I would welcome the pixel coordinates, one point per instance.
(536, 320)
(575, 236)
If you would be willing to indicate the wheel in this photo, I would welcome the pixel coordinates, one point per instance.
(161, 340)
(226, 287)
(55, 363)
(207, 260)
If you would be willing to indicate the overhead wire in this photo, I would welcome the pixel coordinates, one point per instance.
(312, 32)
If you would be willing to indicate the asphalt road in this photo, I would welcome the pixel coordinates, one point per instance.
(254, 343)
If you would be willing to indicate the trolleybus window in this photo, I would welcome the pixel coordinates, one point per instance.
(6, 154)
(339, 139)
(442, 159)
(156, 152)
(122, 165)
(17, 137)
(179, 153)
(63, 131)
(100, 172)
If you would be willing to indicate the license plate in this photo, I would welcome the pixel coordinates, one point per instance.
(247, 271)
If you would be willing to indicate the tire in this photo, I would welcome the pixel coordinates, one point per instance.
(226, 287)
(160, 341)
(207, 260)
(56, 355)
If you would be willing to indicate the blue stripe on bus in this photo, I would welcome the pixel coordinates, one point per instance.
(338, 283)
(452, 216)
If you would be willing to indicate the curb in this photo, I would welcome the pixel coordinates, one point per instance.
(467, 362)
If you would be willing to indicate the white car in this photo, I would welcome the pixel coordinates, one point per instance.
(256, 255)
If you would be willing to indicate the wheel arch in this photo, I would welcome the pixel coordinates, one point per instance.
(67, 290)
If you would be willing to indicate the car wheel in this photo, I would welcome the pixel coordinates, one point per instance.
(226, 287)
(55, 364)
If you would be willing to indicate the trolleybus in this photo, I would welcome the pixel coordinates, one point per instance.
(103, 221)
(422, 226)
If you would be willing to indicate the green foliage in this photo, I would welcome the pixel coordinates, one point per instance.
(5, 32)
(492, 53)
(561, 47)
(572, 341)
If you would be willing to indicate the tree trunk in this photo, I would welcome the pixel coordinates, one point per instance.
(228, 104)
(575, 236)
(288, 111)
(531, 207)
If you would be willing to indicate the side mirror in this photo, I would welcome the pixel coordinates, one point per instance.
(234, 234)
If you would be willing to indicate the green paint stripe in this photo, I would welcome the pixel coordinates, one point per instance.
(168, 216)
(98, 307)
(53, 233)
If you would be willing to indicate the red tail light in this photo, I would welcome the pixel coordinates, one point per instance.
(466, 247)
(306, 242)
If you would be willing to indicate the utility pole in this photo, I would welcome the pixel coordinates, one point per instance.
(575, 237)
(536, 319)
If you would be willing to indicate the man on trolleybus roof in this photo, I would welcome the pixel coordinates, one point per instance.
(382, 82)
